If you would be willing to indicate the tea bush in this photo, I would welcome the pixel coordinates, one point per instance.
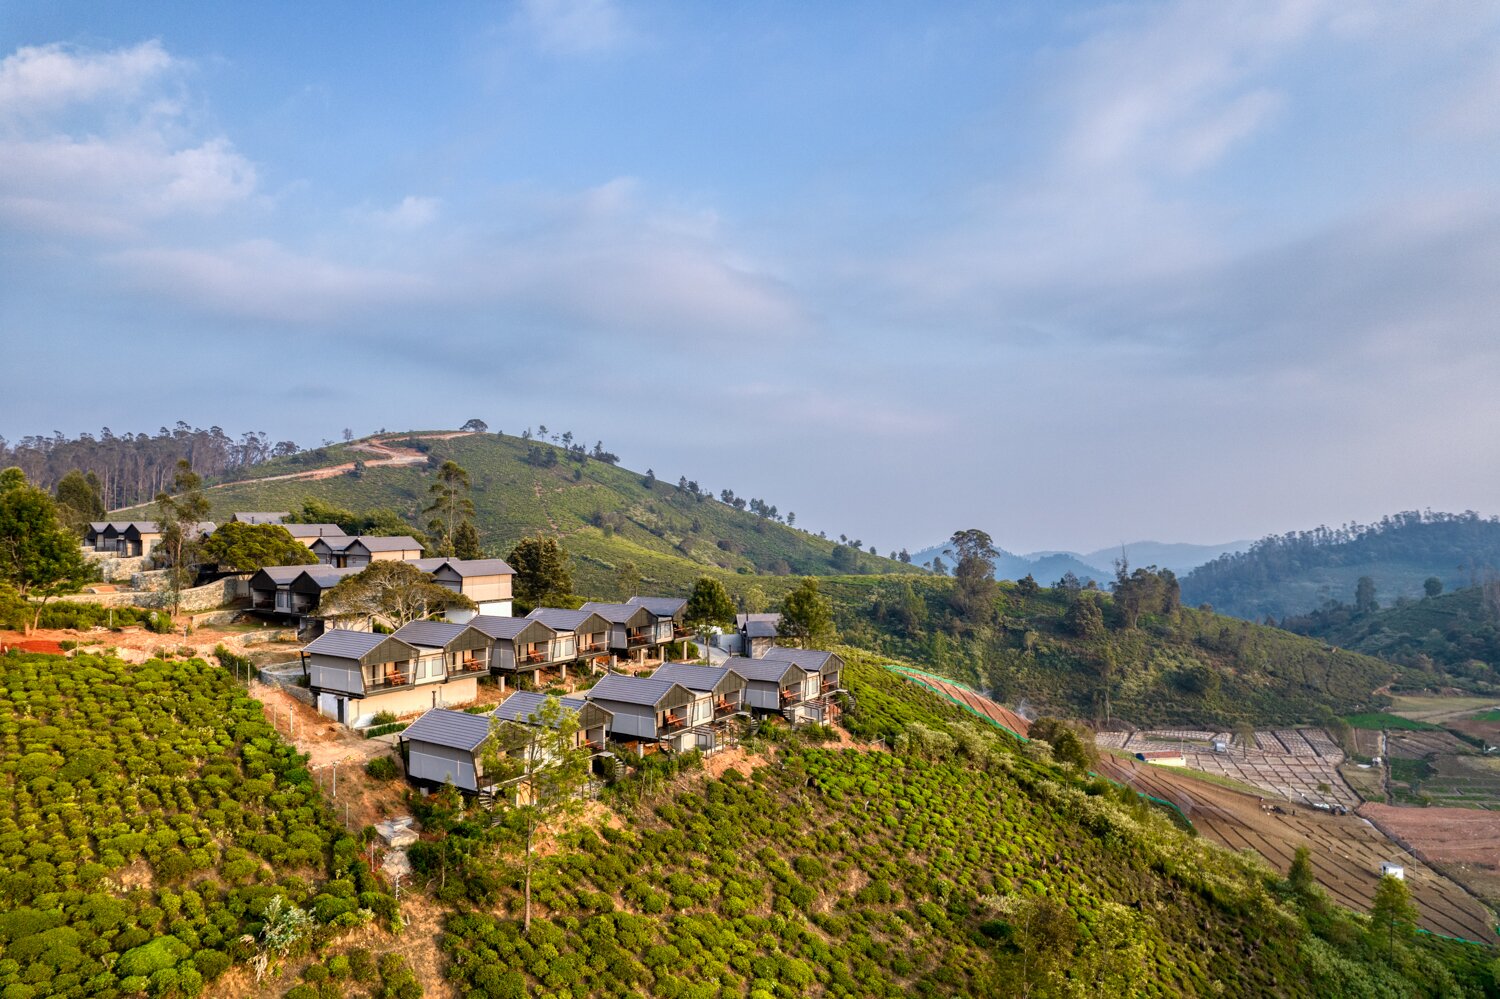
(148, 816)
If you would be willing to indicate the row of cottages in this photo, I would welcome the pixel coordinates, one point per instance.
(446, 746)
(639, 627)
(358, 552)
(681, 706)
(131, 538)
(355, 675)
(294, 591)
(261, 517)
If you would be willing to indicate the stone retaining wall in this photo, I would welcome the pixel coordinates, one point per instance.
(200, 598)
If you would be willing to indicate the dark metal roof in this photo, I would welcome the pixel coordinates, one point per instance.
(740, 620)
(695, 677)
(279, 575)
(562, 619)
(346, 644)
(507, 628)
(466, 567)
(383, 544)
(520, 706)
(446, 727)
(325, 576)
(430, 634)
(769, 670)
(614, 613)
(660, 606)
(632, 689)
(808, 659)
(760, 629)
(260, 517)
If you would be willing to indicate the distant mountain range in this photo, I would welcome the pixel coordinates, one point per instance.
(1047, 567)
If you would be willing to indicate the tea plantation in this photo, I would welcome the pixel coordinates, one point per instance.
(962, 864)
(149, 817)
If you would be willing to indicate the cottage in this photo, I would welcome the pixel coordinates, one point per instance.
(581, 636)
(271, 592)
(1162, 757)
(829, 668)
(446, 746)
(103, 535)
(486, 581)
(355, 675)
(634, 629)
(757, 633)
(773, 686)
(647, 711)
(719, 695)
(455, 651)
(362, 550)
(132, 538)
(259, 517)
(666, 607)
(522, 645)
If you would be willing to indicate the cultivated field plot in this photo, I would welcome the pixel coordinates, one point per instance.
(978, 703)
(1300, 765)
(1346, 850)
(1464, 781)
(1463, 842)
(1416, 745)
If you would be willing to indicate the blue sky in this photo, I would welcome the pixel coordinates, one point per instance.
(1076, 274)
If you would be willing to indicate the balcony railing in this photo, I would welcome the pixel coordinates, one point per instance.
(389, 680)
(534, 657)
(468, 666)
(672, 723)
(588, 648)
(725, 708)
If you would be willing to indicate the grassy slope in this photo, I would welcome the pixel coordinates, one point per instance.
(1453, 630)
(671, 537)
(848, 873)
(1196, 667)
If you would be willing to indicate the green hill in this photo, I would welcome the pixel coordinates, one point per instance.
(963, 864)
(605, 515)
(1455, 633)
(1287, 575)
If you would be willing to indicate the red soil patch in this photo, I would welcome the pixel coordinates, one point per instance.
(9, 640)
(1465, 842)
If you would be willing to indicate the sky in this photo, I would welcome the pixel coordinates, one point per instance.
(1075, 274)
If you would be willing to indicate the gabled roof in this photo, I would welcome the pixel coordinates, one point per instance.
(430, 634)
(634, 690)
(335, 542)
(661, 606)
(740, 620)
(696, 677)
(759, 629)
(260, 517)
(401, 543)
(466, 567)
(766, 670)
(324, 576)
(509, 628)
(280, 575)
(616, 613)
(446, 727)
(809, 659)
(344, 644)
(520, 706)
(327, 531)
(563, 619)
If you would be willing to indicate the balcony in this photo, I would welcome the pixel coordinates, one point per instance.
(469, 666)
(672, 723)
(790, 695)
(637, 639)
(680, 632)
(725, 707)
(391, 679)
(533, 658)
(591, 648)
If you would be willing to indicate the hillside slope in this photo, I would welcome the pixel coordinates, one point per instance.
(1292, 574)
(605, 515)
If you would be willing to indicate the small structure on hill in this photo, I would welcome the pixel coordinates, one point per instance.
(1162, 757)
(1391, 870)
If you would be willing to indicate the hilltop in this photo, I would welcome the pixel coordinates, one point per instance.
(1049, 566)
(1290, 574)
(605, 515)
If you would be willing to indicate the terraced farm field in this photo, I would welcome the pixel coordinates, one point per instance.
(1347, 851)
(974, 701)
(1463, 842)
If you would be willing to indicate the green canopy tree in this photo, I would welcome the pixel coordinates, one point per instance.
(466, 541)
(974, 594)
(709, 605)
(178, 516)
(78, 501)
(397, 593)
(449, 506)
(542, 574)
(1392, 913)
(807, 616)
(627, 580)
(539, 768)
(38, 556)
(251, 547)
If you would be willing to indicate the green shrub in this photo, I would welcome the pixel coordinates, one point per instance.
(381, 768)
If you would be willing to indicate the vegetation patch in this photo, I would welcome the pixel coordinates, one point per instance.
(1377, 720)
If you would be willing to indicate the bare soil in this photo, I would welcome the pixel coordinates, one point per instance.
(1464, 842)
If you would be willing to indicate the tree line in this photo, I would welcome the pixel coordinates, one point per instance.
(133, 468)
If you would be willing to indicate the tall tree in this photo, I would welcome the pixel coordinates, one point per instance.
(179, 516)
(807, 616)
(449, 505)
(1392, 914)
(1364, 596)
(974, 594)
(78, 501)
(252, 547)
(709, 605)
(395, 593)
(541, 768)
(542, 573)
(466, 541)
(476, 426)
(627, 580)
(38, 556)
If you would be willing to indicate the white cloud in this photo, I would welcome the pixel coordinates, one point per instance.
(109, 173)
(575, 27)
(40, 79)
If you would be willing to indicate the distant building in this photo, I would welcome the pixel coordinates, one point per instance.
(1393, 870)
(1162, 757)
(757, 633)
(259, 517)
